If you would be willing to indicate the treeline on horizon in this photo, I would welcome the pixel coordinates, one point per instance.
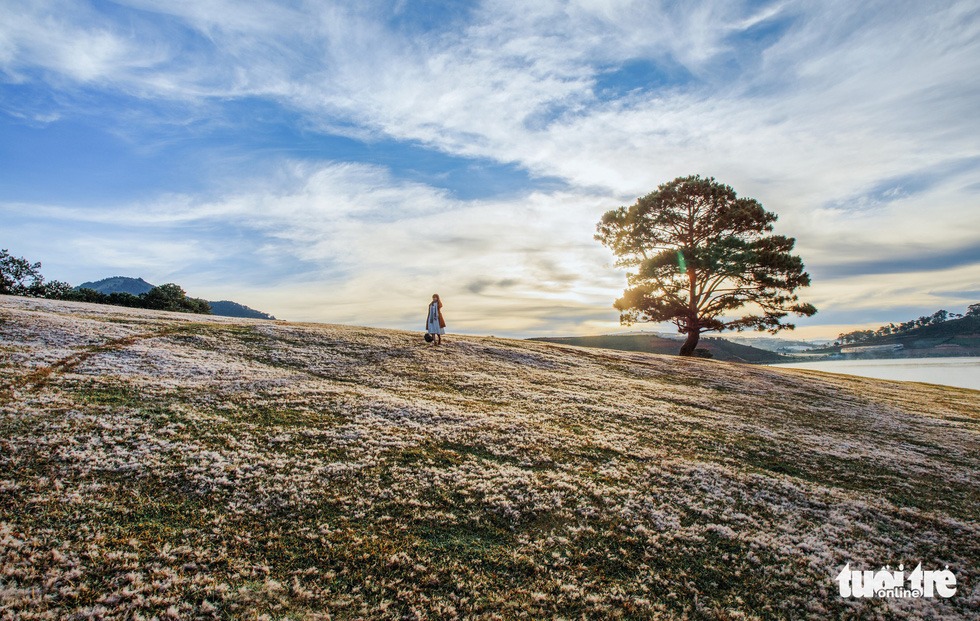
(18, 276)
(892, 329)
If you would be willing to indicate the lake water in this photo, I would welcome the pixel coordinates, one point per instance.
(961, 372)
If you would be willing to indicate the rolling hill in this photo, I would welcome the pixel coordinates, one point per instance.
(720, 348)
(956, 337)
(182, 466)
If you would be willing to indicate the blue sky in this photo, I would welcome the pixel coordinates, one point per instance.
(340, 162)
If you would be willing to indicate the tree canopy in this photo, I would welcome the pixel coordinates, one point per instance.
(171, 297)
(18, 276)
(696, 254)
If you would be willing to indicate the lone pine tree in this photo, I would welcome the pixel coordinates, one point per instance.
(698, 253)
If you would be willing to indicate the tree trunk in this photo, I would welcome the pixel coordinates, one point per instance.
(687, 349)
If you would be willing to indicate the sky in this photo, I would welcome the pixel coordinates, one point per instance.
(341, 162)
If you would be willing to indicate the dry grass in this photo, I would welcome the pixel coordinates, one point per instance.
(175, 466)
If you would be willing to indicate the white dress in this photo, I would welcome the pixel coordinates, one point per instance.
(432, 321)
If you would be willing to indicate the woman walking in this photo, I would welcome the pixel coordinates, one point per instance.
(434, 323)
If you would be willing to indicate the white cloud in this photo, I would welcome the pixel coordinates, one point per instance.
(840, 100)
(69, 40)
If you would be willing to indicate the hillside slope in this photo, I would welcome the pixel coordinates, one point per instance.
(720, 348)
(956, 337)
(204, 467)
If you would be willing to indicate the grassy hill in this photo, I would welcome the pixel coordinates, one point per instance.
(203, 467)
(956, 337)
(720, 348)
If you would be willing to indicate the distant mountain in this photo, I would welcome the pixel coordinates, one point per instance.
(118, 284)
(138, 286)
(234, 309)
(646, 342)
